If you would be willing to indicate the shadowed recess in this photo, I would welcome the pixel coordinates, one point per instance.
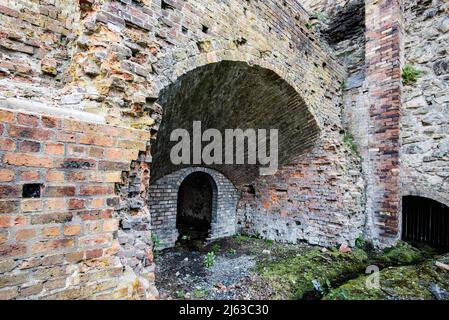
(231, 95)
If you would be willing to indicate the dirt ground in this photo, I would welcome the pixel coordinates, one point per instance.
(243, 268)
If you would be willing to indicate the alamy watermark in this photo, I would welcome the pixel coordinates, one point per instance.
(241, 147)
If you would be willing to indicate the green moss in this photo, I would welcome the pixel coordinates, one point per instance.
(407, 282)
(402, 254)
(291, 277)
(410, 74)
(348, 139)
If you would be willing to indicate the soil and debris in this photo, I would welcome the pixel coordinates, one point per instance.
(244, 268)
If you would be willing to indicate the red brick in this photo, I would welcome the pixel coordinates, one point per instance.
(28, 120)
(9, 206)
(54, 148)
(96, 140)
(114, 166)
(74, 256)
(25, 234)
(51, 122)
(51, 218)
(65, 137)
(76, 204)
(31, 205)
(7, 144)
(52, 245)
(6, 116)
(10, 191)
(76, 150)
(95, 240)
(7, 221)
(6, 175)
(12, 250)
(77, 176)
(76, 163)
(50, 232)
(28, 160)
(110, 225)
(30, 133)
(96, 152)
(97, 203)
(55, 204)
(29, 175)
(94, 254)
(113, 176)
(96, 190)
(60, 191)
(29, 146)
(95, 214)
(55, 176)
(132, 144)
(72, 230)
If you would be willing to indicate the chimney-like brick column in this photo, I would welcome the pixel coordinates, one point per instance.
(383, 76)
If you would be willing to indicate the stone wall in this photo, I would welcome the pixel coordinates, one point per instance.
(425, 123)
(60, 209)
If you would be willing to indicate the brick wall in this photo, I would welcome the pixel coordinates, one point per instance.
(60, 241)
(383, 75)
(164, 201)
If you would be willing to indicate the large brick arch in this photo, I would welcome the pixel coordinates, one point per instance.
(164, 199)
(234, 95)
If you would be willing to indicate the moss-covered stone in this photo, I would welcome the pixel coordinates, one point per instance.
(421, 282)
(401, 255)
(291, 277)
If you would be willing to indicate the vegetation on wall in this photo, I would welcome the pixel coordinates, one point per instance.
(410, 74)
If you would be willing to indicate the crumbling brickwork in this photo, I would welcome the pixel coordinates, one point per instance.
(59, 209)
(329, 79)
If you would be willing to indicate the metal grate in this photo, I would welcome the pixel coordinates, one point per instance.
(425, 221)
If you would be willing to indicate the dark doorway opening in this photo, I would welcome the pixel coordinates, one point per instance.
(195, 206)
(425, 221)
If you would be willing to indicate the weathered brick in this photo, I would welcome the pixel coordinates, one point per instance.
(97, 190)
(51, 218)
(96, 140)
(28, 120)
(9, 206)
(76, 204)
(28, 160)
(59, 191)
(25, 234)
(6, 175)
(30, 133)
(52, 245)
(29, 175)
(110, 225)
(54, 148)
(31, 205)
(51, 122)
(29, 146)
(114, 166)
(11, 250)
(6, 116)
(55, 204)
(72, 230)
(7, 144)
(8, 191)
(51, 232)
(55, 176)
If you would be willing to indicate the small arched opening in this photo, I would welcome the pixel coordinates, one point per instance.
(425, 221)
(196, 206)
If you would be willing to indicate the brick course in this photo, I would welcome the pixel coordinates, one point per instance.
(73, 215)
